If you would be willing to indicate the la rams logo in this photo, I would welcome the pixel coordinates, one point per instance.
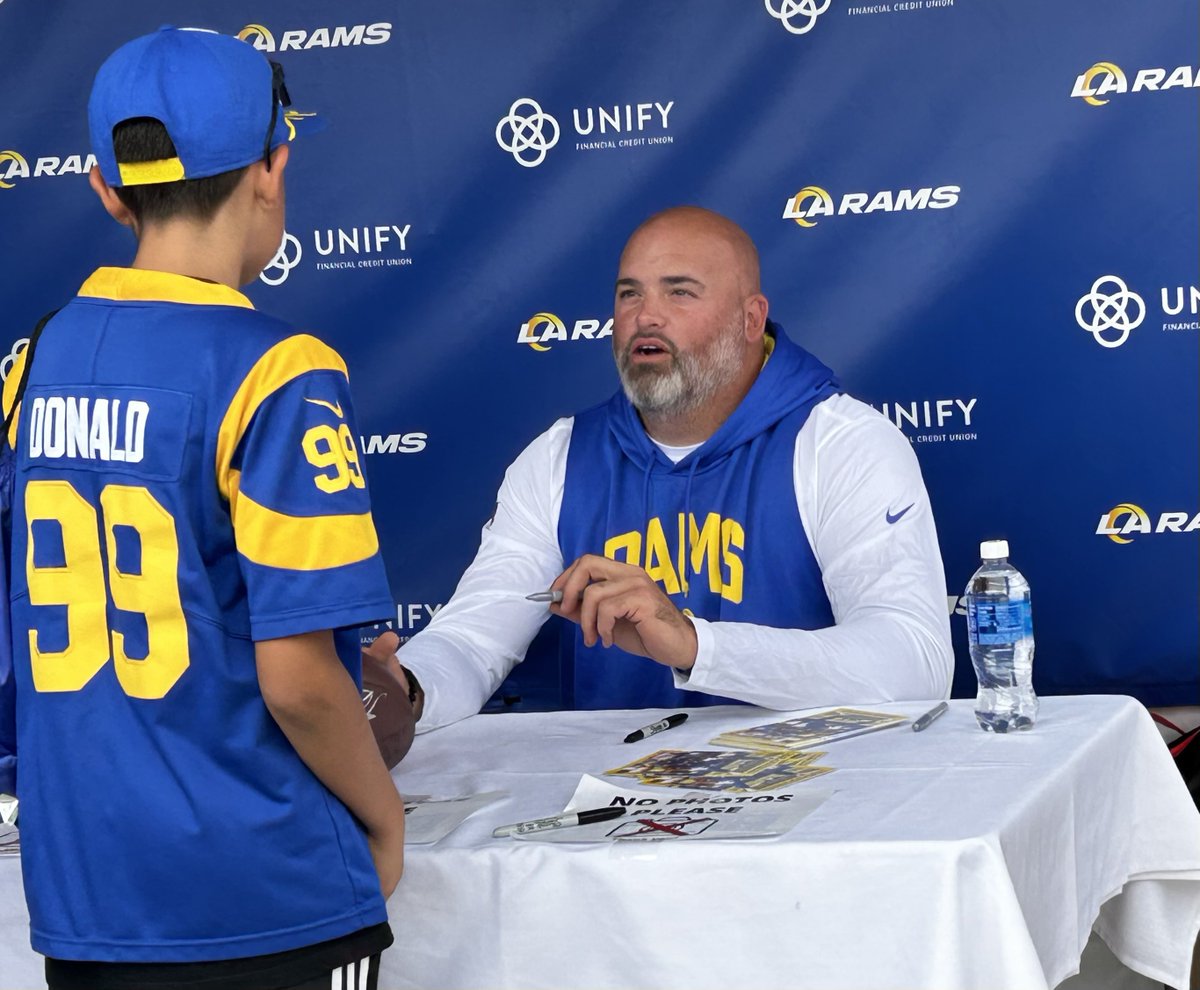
(18, 167)
(258, 36)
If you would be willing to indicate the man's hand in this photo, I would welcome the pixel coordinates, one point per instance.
(384, 649)
(618, 604)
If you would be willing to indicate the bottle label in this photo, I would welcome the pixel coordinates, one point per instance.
(998, 623)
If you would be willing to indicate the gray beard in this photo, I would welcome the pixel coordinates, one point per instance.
(688, 382)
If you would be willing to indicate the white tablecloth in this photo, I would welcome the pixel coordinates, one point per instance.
(950, 858)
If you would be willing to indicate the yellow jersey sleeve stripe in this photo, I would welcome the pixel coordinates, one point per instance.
(145, 173)
(10, 393)
(298, 543)
(290, 358)
(142, 285)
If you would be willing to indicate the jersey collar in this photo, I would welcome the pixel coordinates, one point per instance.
(140, 285)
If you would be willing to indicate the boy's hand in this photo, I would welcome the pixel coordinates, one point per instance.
(387, 850)
(317, 705)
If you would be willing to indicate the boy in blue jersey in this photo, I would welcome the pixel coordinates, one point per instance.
(202, 801)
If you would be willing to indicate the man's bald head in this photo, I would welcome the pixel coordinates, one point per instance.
(701, 224)
(688, 321)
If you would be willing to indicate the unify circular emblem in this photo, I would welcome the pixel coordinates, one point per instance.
(518, 133)
(286, 258)
(1110, 311)
(788, 9)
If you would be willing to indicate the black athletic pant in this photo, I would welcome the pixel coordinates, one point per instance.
(347, 963)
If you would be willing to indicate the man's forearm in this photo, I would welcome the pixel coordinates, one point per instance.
(473, 642)
(870, 660)
(459, 669)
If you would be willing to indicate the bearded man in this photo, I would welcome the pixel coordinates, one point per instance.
(728, 527)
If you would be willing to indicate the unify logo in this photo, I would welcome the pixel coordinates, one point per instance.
(800, 16)
(950, 416)
(14, 165)
(323, 37)
(814, 201)
(534, 132)
(286, 258)
(797, 16)
(542, 328)
(898, 7)
(411, 615)
(1125, 519)
(527, 132)
(346, 247)
(1104, 78)
(352, 247)
(1100, 312)
(1112, 310)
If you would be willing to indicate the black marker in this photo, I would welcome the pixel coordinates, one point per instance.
(926, 720)
(648, 730)
(564, 820)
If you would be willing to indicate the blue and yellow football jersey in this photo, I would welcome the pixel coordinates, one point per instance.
(188, 482)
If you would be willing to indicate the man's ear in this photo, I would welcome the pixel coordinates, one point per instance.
(268, 186)
(111, 201)
(755, 310)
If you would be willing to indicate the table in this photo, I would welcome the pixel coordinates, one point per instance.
(950, 858)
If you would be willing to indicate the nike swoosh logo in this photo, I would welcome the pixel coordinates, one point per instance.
(890, 518)
(336, 407)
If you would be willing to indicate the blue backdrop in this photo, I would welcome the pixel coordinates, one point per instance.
(983, 215)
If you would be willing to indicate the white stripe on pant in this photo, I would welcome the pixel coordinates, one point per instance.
(351, 977)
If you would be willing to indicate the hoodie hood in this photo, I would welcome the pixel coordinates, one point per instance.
(790, 379)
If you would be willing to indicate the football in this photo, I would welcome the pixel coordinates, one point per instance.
(388, 709)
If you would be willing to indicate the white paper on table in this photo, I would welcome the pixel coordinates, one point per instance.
(10, 840)
(670, 814)
(427, 819)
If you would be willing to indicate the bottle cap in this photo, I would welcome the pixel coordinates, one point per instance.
(993, 549)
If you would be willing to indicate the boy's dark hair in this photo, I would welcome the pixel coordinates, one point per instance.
(144, 139)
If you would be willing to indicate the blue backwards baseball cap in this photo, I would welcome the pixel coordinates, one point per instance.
(222, 103)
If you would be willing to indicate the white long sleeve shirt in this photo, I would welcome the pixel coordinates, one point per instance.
(867, 515)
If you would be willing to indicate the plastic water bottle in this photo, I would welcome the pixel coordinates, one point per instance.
(1000, 633)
